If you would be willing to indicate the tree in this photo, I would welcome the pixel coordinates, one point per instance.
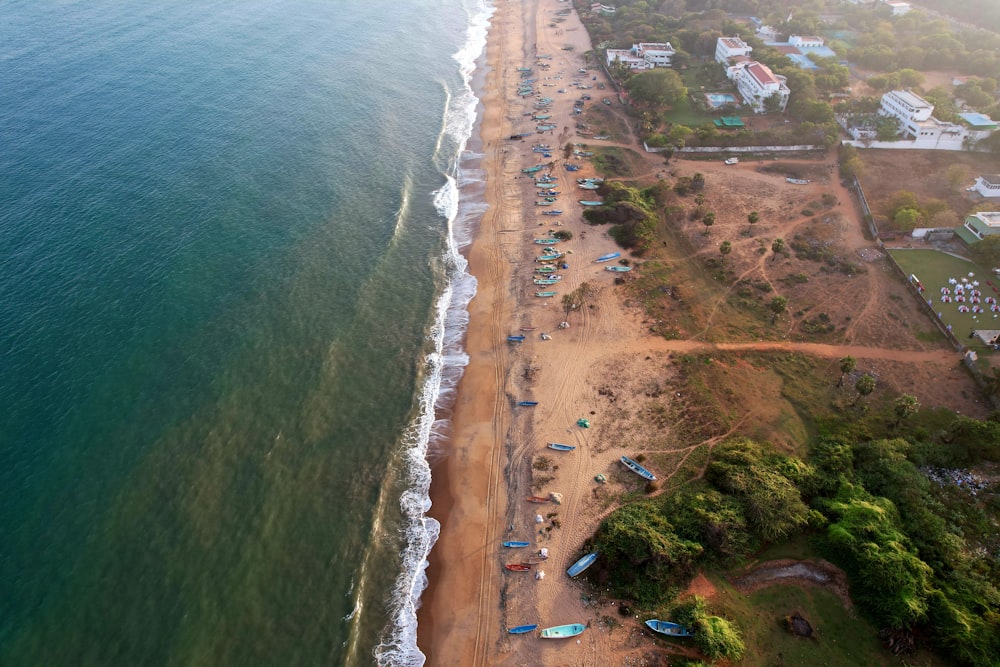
(568, 150)
(904, 406)
(575, 299)
(987, 251)
(698, 181)
(708, 220)
(864, 386)
(777, 247)
(656, 88)
(956, 174)
(772, 103)
(752, 218)
(906, 219)
(910, 78)
(778, 305)
(847, 366)
(725, 248)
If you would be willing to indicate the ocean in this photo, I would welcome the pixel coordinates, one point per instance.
(232, 302)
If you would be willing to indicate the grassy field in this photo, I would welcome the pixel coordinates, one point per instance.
(933, 269)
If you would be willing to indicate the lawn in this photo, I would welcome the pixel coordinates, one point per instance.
(934, 269)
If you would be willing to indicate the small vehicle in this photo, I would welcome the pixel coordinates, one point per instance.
(732, 160)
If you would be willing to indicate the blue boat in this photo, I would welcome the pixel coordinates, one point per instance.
(667, 628)
(588, 186)
(607, 258)
(515, 339)
(559, 447)
(572, 167)
(562, 631)
(521, 629)
(637, 469)
(516, 545)
(545, 128)
(527, 404)
(587, 202)
(554, 211)
(582, 564)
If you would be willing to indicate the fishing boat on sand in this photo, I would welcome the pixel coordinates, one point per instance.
(521, 629)
(527, 404)
(547, 241)
(667, 628)
(618, 269)
(515, 339)
(547, 281)
(587, 202)
(545, 295)
(513, 544)
(637, 469)
(582, 564)
(537, 499)
(554, 211)
(532, 170)
(608, 257)
(572, 167)
(561, 631)
(546, 270)
(518, 567)
(588, 186)
(559, 447)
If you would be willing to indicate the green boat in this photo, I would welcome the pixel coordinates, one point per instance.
(546, 269)
(545, 295)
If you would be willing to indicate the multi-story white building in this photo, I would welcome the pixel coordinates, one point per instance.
(644, 55)
(730, 47)
(908, 108)
(756, 83)
(983, 224)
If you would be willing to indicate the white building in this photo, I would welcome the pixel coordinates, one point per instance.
(803, 41)
(756, 83)
(988, 185)
(983, 224)
(730, 47)
(908, 108)
(644, 55)
(898, 8)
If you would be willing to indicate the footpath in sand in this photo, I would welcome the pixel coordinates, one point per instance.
(484, 474)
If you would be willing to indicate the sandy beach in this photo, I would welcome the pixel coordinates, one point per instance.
(480, 486)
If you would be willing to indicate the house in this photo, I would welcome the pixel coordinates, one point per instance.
(800, 41)
(978, 125)
(978, 226)
(988, 185)
(644, 55)
(625, 57)
(756, 83)
(898, 8)
(923, 130)
(730, 47)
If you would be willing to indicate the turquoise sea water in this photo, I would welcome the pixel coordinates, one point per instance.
(230, 296)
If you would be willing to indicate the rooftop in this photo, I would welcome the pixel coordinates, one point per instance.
(912, 99)
(993, 179)
(990, 218)
(763, 75)
(733, 42)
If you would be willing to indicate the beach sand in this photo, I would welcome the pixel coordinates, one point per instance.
(484, 474)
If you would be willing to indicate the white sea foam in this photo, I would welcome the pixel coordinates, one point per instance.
(444, 366)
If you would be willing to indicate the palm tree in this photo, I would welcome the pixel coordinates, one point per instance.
(752, 218)
(778, 306)
(847, 365)
(777, 247)
(708, 220)
(864, 386)
(725, 248)
(904, 406)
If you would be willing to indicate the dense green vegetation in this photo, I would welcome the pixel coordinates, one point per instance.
(922, 558)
